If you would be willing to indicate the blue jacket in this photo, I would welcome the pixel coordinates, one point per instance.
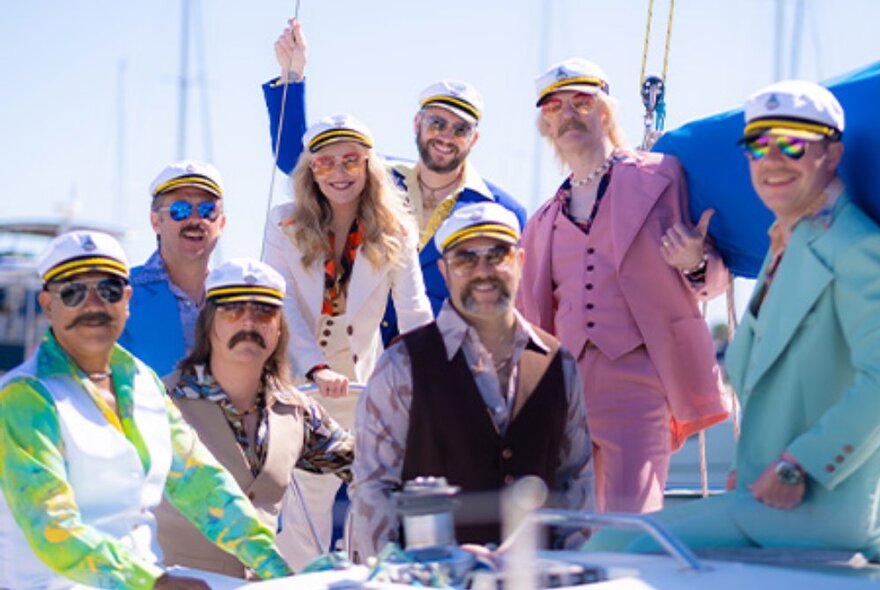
(475, 188)
(153, 332)
(806, 370)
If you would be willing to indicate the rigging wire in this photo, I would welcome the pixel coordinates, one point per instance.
(276, 147)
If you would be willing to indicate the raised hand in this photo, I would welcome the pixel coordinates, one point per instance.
(291, 50)
(682, 246)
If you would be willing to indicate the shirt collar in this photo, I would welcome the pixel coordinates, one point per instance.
(53, 361)
(455, 330)
(470, 179)
(820, 210)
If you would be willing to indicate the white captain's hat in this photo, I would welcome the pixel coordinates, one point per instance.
(487, 220)
(455, 96)
(575, 74)
(342, 127)
(245, 279)
(794, 107)
(80, 252)
(188, 173)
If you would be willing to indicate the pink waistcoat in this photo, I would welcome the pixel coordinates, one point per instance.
(646, 196)
(591, 305)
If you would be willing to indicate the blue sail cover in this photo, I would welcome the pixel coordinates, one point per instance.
(718, 174)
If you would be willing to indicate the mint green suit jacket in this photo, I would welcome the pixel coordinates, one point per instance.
(807, 373)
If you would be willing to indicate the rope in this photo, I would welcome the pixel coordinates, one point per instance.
(704, 463)
(668, 39)
(731, 330)
(647, 40)
(276, 147)
(653, 88)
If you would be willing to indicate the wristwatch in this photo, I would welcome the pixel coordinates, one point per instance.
(789, 473)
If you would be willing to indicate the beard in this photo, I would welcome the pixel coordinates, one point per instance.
(500, 306)
(457, 157)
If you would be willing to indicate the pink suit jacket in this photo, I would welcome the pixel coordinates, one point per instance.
(646, 196)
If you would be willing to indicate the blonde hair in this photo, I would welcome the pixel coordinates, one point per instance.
(386, 222)
(608, 108)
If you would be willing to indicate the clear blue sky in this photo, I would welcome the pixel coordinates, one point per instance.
(60, 61)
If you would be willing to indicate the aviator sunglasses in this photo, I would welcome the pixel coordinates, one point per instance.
(463, 261)
(73, 293)
(263, 313)
(180, 210)
(437, 125)
(322, 166)
(793, 148)
(581, 102)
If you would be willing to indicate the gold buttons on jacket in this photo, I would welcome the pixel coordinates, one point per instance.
(508, 479)
(506, 454)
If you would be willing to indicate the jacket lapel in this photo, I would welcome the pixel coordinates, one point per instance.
(632, 196)
(362, 283)
(800, 280)
(285, 446)
(307, 282)
(214, 431)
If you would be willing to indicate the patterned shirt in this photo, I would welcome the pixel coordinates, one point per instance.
(564, 195)
(336, 279)
(154, 269)
(33, 477)
(327, 446)
(383, 421)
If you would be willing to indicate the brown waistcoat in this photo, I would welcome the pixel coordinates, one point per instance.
(180, 541)
(452, 434)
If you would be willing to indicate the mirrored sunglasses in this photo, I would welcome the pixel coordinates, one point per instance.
(581, 103)
(353, 163)
(791, 147)
(73, 293)
(180, 210)
(263, 313)
(464, 261)
(437, 125)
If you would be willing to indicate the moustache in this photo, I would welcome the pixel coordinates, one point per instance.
(571, 124)
(251, 335)
(496, 283)
(95, 317)
(199, 227)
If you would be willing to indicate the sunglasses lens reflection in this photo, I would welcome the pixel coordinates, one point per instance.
(73, 294)
(792, 147)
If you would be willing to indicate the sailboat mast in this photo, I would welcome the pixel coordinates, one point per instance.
(183, 83)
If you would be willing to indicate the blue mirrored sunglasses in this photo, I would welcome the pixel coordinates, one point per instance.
(180, 210)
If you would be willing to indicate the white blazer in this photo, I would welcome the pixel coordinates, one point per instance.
(367, 298)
